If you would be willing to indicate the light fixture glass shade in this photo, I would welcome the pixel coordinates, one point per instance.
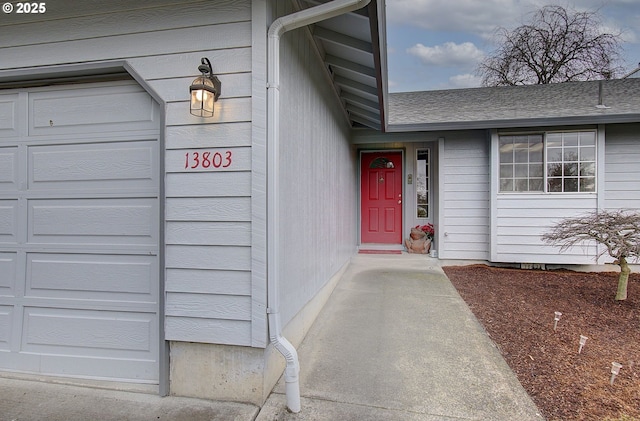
(203, 96)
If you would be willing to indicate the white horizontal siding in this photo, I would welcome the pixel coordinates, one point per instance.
(207, 213)
(622, 167)
(463, 232)
(521, 220)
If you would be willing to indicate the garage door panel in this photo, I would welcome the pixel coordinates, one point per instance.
(89, 333)
(122, 278)
(8, 221)
(80, 231)
(94, 166)
(8, 116)
(141, 370)
(8, 273)
(93, 221)
(8, 168)
(91, 110)
(6, 321)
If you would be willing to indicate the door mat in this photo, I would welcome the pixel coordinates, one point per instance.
(379, 251)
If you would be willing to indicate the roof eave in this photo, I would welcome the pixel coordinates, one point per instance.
(505, 124)
(377, 20)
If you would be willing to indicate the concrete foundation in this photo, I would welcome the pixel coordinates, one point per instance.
(235, 373)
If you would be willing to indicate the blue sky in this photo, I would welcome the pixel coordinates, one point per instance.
(436, 44)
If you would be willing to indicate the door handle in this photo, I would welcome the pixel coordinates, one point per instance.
(399, 202)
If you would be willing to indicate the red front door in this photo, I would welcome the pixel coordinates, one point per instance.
(381, 197)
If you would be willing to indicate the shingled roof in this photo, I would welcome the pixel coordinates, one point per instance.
(570, 103)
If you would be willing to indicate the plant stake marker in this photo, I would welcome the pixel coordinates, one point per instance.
(615, 370)
(583, 340)
(556, 318)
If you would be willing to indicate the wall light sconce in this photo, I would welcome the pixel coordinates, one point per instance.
(204, 90)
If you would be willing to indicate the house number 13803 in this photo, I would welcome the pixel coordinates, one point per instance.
(208, 160)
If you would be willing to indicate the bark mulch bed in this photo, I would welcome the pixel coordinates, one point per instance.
(516, 308)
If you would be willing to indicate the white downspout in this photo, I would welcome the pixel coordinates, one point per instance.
(276, 30)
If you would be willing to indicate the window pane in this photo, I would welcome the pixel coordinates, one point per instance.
(535, 153)
(506, 171)
(588, 169)
(588, 184)
(506, 184)
(587, 138)
(521, 170)
(422, 183)
(554, 140)
(571, 154)
(521, 141)
(554, 154)
(522, 156)
(535, 170)
(554, 170)
(570, 139)
(571, 184)
(588, 154)
(536, 184)
(571, 169)
(522, 184)
(506, 151)
(554, 185)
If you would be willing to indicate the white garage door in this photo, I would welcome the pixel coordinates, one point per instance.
(79, 232)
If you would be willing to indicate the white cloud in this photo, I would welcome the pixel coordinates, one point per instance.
(466, 80)
(427, 24)
(477, 17)
(481, 18)
(448, 54)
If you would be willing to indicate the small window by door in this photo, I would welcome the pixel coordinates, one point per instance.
(423, 163)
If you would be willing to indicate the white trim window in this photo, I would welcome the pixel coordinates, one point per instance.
(553, 162)
(422, 183)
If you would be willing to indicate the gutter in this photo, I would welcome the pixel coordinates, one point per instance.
(603, 118)
(276, 30)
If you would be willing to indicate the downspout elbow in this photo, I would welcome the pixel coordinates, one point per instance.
(292, 367)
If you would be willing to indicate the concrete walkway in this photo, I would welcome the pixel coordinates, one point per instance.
(29, 400)
(396, 342)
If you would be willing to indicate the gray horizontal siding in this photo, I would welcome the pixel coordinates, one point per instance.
(464, 209)
(207, 213)
(317, 176)
(622, 167)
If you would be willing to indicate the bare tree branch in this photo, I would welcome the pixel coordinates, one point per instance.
(556, 46)
(617, 230)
